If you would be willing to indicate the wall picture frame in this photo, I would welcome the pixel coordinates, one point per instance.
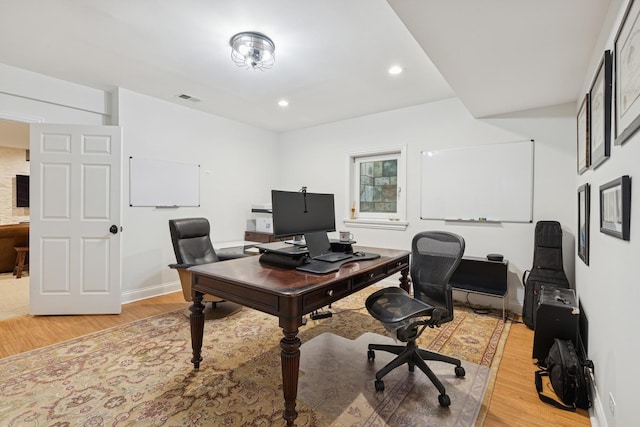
(584, 204)
(584, 144)
(600, 112)
(627, 75)
(615, 207)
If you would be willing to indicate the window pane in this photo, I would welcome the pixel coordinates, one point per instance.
(378, 186)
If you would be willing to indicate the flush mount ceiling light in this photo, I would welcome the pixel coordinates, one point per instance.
(253, 50)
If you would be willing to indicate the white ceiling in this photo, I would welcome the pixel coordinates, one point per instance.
(332, 56)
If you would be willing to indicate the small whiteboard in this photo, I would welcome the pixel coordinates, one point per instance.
(163, 184)
(491, 182)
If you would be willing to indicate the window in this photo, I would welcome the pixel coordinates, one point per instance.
(376, 190)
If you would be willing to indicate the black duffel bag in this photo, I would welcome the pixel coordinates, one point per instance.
(569, 377)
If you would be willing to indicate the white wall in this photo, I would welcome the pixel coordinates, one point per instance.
(238, 168)
(31, 97)
(317, 157)
(30, 85)
(608, 286)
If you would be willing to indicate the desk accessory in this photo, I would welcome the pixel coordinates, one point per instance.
(495, 257)
(345, 236)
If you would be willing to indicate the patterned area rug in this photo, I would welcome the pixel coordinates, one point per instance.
(140, 373)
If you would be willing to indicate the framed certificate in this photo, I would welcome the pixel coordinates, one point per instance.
(584, 146)
(600, 112)
(627, 78)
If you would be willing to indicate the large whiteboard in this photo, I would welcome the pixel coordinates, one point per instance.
(163, 184)
(491, 182)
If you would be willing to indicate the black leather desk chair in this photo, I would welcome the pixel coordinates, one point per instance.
(192, 246)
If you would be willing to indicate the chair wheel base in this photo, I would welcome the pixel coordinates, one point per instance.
(444, 400)
(379, 385)
(460, 372)
(371, 355)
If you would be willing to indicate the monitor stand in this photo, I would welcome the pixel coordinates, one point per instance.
(297, 240)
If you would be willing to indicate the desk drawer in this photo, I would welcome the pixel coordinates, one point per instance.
(398, 265)
(262, 301)
(369, 277)
(322, 297)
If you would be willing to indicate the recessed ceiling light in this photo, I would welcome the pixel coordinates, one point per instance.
(396, 69)
(283, 103)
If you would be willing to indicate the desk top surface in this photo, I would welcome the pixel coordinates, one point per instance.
(249, 272)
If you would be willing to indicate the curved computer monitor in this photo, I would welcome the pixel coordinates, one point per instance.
(296, 213)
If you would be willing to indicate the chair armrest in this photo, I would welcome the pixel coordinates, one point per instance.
(226, 257)
(181, 265)
(221, 257)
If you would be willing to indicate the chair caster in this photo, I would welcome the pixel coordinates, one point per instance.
(444, 400)
(379, 385)
(371, 355)
(460, 372)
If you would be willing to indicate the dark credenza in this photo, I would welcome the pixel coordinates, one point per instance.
(481, 276)
(262, 237)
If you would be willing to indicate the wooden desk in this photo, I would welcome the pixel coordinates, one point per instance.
(289, 295)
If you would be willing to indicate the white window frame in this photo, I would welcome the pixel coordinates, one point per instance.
(388, 221)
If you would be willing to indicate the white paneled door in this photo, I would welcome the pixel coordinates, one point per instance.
(75, 213)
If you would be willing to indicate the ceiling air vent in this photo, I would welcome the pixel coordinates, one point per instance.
(188, 98)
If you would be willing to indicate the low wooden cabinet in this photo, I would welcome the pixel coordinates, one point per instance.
(262, 237)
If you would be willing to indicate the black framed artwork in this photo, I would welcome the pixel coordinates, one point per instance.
(615, 207)
(627, 75)
(584, 196)
(600, 112)
(584, 146)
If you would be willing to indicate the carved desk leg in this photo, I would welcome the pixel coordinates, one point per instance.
(405, 282)
(290, 359)
(196, 319)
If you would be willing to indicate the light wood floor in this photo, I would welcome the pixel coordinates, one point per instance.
(514, 401)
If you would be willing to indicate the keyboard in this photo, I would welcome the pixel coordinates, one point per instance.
(332, 257)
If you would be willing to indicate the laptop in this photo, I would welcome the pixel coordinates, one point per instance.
(320, 248)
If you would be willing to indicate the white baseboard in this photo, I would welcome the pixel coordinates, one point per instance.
(150, 292)
(596, 412)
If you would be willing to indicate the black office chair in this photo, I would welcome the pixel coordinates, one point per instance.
(192, 246)
(434, 257)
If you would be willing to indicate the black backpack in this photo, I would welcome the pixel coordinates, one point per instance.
(547, 269)
(570, 377)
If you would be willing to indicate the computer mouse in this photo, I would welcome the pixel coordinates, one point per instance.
(358, 254)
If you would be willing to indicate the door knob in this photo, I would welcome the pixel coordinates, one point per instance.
(113, 229)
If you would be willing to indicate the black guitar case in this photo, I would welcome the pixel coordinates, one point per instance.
(547, 269)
